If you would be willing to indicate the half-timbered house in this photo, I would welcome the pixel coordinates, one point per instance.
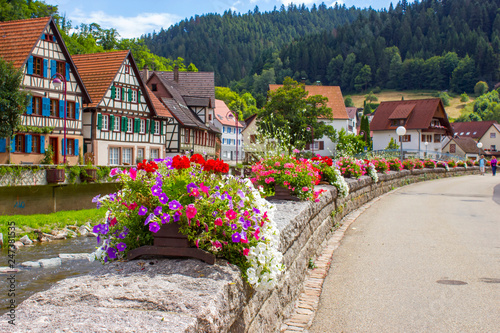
(121, 125)
(190, 98)
(36, 47)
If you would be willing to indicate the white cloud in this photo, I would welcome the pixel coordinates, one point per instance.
(128, 27)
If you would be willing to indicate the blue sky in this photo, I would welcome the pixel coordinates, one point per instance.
(132, 18)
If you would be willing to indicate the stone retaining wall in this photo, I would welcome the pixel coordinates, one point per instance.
(191, 296)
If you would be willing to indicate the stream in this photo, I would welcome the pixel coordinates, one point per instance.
(32, 280)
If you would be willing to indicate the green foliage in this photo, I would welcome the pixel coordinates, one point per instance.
(21, 9)
(35, 129)
(392, 145)
(481, 88)
(367, 109)
(445, 98)
(464, 98)
(348, 144)
(348, 102)
(290, 107)
(244, 105)
(48, 157)
(13, 100)
(371, 97)
(365, 132)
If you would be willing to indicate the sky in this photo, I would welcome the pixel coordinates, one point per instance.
(132, 18)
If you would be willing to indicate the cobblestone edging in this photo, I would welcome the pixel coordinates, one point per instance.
(168, 295)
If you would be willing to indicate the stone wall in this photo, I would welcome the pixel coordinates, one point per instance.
(191, 296)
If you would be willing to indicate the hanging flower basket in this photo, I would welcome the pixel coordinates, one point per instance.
(56, 175)
(88, 175)
(168, 241)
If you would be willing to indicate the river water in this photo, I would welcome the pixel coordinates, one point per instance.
(33, 280)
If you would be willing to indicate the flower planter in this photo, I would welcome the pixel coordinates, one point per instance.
(56, 175)
(323, 180)
(282, 193)
(168, 241)
(88, 175)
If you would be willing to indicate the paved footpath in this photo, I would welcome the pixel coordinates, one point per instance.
(423, 258)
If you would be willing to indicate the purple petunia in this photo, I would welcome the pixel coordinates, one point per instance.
(174, 205)
(177, 216)
(163, 198)
(121, 246)
(157, 210)
(234, 226)
(241, 194)
(142, 211)
(96, 198)
(191, 186)
(156, 190)
(214, 214)
(256, 211)
(154, 227)
(165, 218)
(97, 229)
(149, 218)
(111, 253)
(104, 229)
(236, 237)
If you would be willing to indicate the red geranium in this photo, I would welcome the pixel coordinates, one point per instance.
(216, 166)
(180, 162)
(198, 159)
(147, 166)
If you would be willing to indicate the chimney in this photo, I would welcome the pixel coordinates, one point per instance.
(145, 73)
(176, 73)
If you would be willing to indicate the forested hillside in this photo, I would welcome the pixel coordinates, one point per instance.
(229, 44)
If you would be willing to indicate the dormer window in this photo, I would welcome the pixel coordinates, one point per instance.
(154, 87)
(398, 122)
(435, 123)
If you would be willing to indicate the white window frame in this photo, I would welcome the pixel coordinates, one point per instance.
(114, 160)
(493, 135)
(143, 126)
(134, 96)
(130, 125)
(127, 155)
(157, 127)
(117, 124)
(153, 152)
(118, 93)
(105, 122)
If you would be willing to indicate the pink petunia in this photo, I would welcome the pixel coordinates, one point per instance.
(218, 221)
(246, 251)
(133, 173)
(305, 189)
(231, 214)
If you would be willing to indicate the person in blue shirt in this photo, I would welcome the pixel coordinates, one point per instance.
(482, 163)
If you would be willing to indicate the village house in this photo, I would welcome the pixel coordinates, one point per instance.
(253, 148)
(36, 47)
(324, 146)
(486, 132)
(232, 145)
(122, 125)
(425, 121)
(353, 122)
(190, 98)
(464, 147)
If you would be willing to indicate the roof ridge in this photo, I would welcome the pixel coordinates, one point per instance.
(28, 19)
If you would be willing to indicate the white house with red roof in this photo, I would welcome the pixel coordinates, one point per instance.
(425, 120)
(486, 132)
(232, 146)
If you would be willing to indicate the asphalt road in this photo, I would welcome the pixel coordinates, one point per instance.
(425, 258)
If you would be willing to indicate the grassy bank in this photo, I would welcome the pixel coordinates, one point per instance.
(25, 224)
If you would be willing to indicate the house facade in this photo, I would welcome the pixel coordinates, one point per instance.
(486, 132)
(121, 125)
(463, 147)
(253, 148)
(324, 146)
(425, 121)
(190, 99)
(53, 119)
(232, 145)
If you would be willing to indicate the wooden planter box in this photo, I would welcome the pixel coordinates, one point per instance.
(88, 175)
(168, 241)
(282, 193)
(56, 175)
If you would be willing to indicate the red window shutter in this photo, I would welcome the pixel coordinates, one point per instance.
(308, 146)
(321, 145)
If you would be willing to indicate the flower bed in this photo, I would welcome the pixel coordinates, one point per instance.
(380, 164)
(220, 214)
(351, 167)
(331, 174)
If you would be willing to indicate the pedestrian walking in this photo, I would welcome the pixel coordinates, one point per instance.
(493, 165)
(482, 163)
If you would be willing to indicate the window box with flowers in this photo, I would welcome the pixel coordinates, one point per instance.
(56, 175)
(190, 207)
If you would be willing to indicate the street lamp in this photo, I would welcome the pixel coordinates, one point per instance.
(426, 143)
(479, 146)
(312, 136)
(230, 115)
(401, 131)
(58, 80)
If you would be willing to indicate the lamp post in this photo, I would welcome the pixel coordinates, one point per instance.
(479, 146)
(57, 80)
(426, 144)
(230, 115)
(401, 131)
(310, 128)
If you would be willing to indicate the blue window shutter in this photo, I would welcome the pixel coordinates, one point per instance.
(67, 72)
(42, 144)
(77, 111)
(3, 145)
(27, 143)
(61, 108)
(45, 66)
(43, 36)
(46, 107)
(65, 147)
(77, 151)
(53, 67)
(13, 144)
(29, 108)
(30, 65)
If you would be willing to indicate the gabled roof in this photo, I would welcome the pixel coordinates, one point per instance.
(221, 114)
(194, 87)
(419, 114)
(183, 114)
(351, 112)
(19, 38)
(333, 93)
(473, 129)
(468, 145)
(160, 109)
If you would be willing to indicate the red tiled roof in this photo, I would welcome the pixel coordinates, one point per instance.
(333, 93)
(473, 129)
(161, 110)
(351, 112)
(18, 38)
(221, 110)
(402, 111)
(192, 84)
(98, 71)
(420, 118)
(468, 145)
